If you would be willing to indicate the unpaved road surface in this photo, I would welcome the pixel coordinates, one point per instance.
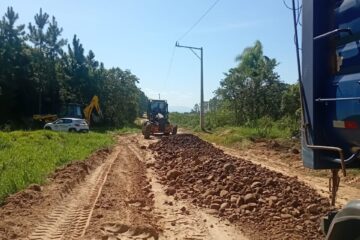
(282, 159)
(114, 194)
(265, 203)
(179, 187)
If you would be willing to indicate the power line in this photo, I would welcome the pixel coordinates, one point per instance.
(170, 65)
(199, 20)
(298, 11)
(184, 35)
(291, 8)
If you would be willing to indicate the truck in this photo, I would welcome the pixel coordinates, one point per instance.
(329, 76)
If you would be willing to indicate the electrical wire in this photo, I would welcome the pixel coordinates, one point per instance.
(184, 35)
(199, 20)
(170, 66)
(290, 8)
(298, 10)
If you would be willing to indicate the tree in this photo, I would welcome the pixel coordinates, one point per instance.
(54, 45)
(252, 89)
(196, 108)
(143, 103)
(14, 68)
(290, 101)
(40, 66)
(37, 75)
(76, 86)
(120, 97)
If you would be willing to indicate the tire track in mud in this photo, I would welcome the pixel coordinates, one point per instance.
(70, 218)
(124, 209)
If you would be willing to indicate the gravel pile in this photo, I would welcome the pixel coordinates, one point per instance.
(260, 200)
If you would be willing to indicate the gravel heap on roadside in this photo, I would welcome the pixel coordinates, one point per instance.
(261, 201)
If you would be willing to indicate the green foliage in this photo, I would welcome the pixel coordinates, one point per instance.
(264, 126)
(291, 123)
(252, 89)
(251, 102)
(186, 120)
(290, 101)
(252, 98)
(28, 157)
(120, 95)
(37, 76)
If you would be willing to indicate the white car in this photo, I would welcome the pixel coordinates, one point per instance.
(68, 125)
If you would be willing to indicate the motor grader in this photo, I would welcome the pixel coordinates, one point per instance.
(157, 122)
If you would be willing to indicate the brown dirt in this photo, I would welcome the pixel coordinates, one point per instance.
(112, 195)
(180, 219)
(281, 207)
(179, 187)
(125, 204)
(23, 210)
(282, 159)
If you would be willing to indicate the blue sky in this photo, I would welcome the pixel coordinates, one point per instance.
(140, 35)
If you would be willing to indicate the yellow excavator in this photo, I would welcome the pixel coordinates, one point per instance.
(88, 110)
(73, 110)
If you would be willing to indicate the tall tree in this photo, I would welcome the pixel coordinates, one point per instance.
(54, 45)
(76, 74)
(252, 89)
(14, 67)
(37, 36)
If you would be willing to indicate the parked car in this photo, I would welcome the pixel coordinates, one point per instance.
(68, 124)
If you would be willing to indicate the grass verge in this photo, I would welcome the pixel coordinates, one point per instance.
(28, 157)
(242, 137)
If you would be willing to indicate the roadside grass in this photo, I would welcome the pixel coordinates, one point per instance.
(28, 157)
(241, 137)
(229, 135)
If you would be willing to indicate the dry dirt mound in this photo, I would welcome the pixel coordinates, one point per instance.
(262, 201)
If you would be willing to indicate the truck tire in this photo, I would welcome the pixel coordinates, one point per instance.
(48, 128)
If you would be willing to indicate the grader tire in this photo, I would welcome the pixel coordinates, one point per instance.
(147, 131)
(174, 130)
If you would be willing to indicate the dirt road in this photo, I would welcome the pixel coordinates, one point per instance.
(112, 195)
(179, 187)
(283, 160)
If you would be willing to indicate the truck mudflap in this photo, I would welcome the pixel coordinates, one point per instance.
(345, 224)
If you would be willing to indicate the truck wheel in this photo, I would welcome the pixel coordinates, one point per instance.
(48, 128)
(174, 130)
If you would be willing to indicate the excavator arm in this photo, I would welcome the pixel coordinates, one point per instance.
(89, 109)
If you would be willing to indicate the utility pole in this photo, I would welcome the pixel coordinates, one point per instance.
(202, 119)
